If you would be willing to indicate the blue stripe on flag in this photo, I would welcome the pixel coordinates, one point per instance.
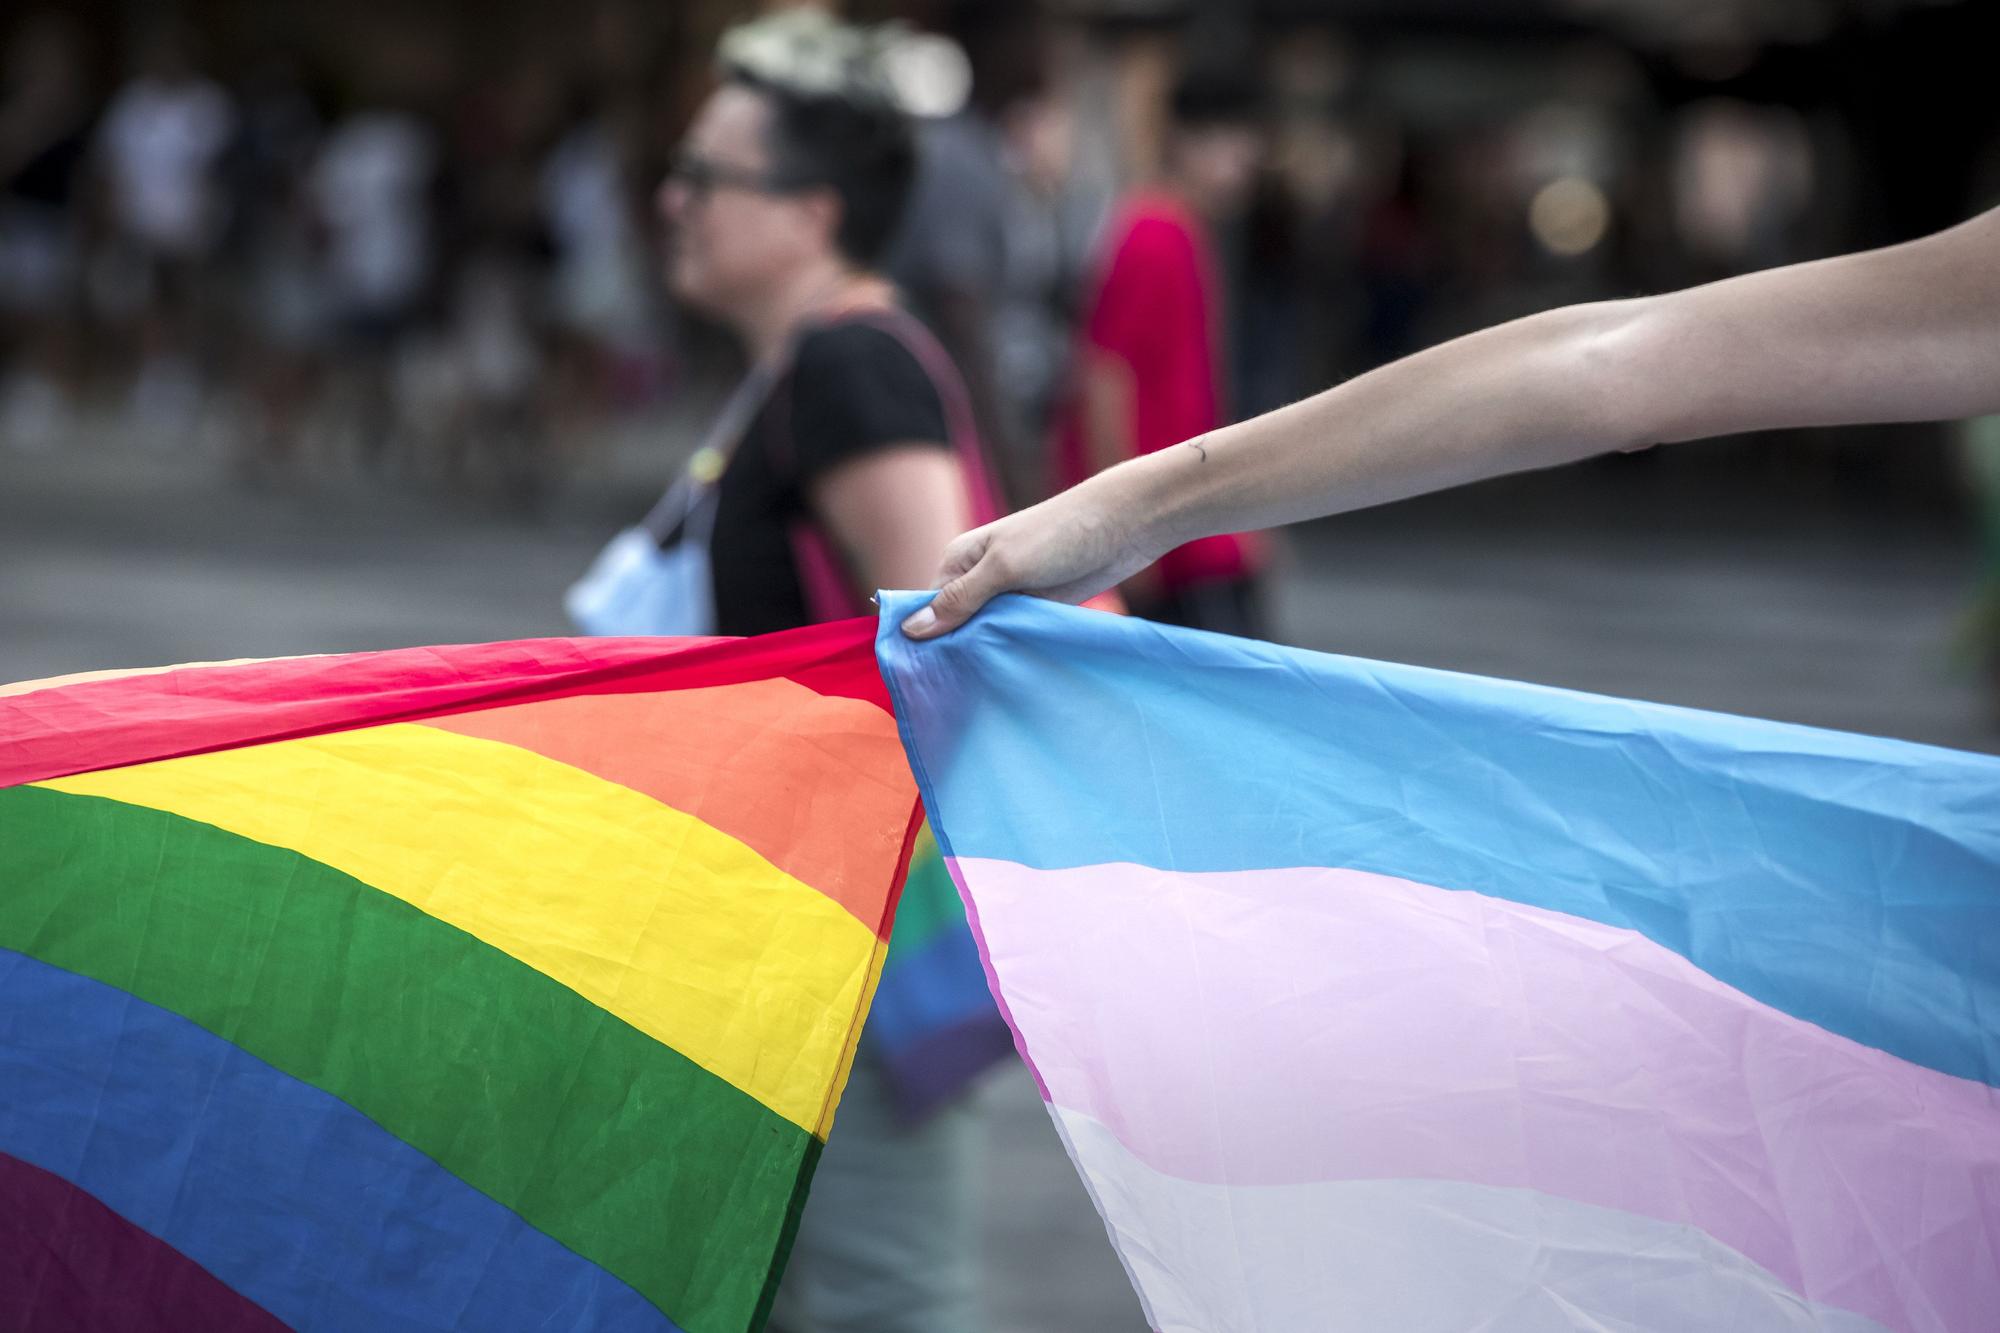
(933, 1027)
(292, 1197)
(942, 985)
(1849, 880)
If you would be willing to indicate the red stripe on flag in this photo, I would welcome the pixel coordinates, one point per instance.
(94, 725)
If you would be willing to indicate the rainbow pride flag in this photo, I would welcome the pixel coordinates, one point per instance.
(495, 987)
(1368, 997)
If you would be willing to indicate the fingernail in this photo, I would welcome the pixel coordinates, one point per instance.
(920, 624)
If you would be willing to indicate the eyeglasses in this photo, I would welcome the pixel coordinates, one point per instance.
(702, 177)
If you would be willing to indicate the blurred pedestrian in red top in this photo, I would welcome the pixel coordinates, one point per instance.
(1148, 371)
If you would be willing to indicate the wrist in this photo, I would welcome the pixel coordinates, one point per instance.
(1129, 502)
(1167, 493)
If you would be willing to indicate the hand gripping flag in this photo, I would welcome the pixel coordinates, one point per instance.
(496, 987)
(1374, 998)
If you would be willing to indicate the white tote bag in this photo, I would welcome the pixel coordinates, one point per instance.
(654, 577)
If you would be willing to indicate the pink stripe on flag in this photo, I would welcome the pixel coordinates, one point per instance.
(986, 965)
(1294, 1026)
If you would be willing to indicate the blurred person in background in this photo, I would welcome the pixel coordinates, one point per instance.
(1147, 368)
(371, 187)
(1034, 315)
(494, 430)
(45, 121)
(1267, 333)
(160, 147)
(492, 336)
(276, 235)
(856, 466)
(1398, 266)
(597, 300)
(951, 255)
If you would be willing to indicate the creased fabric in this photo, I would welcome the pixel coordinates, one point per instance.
(504, 986)
(1367, 996)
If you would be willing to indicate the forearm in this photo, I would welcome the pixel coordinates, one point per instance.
(1907, 333)
(1902, 334)
(1500, 400)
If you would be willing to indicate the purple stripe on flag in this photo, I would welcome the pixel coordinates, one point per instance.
(938, 1068)
(68, 1262)
(1353, 1026)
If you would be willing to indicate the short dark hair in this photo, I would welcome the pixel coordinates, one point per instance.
(853, 142)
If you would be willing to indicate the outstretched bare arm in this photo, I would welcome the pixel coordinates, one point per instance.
(1907, 333)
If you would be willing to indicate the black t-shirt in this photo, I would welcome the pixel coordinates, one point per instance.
(852, 388)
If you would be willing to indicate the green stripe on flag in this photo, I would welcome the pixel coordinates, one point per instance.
(930, 904)
(610, 1142)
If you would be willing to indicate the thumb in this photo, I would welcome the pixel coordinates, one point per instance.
(958, 600)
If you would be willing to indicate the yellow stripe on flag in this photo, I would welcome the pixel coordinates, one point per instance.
(678, 929)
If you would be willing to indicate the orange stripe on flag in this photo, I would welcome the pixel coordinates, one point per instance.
(796, 775)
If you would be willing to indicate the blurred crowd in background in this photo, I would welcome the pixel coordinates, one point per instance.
(418, 240)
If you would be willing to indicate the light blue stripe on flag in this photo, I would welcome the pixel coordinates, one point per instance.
(1851, 881)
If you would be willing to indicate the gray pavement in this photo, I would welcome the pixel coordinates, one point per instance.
(1603, 580)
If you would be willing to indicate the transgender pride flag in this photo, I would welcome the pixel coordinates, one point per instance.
(1381, 999)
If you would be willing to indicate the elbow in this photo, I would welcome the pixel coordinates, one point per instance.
(1613, 355)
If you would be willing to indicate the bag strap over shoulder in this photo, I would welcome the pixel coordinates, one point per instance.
(982, 493)
(718, 446)
(824, 582)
